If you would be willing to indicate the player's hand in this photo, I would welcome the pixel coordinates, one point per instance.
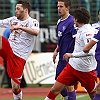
(67, 56)
(54, 57)
(14, 28)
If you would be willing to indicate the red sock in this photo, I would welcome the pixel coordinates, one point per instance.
(51, 95)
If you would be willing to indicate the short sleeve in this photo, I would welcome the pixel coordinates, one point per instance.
(97, 36)
(35, 25)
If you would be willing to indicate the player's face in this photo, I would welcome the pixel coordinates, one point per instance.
(62, 10)
(75, 21)
(99, 16)
(20, 12)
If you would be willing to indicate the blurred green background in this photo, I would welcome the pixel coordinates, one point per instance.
(48, 9)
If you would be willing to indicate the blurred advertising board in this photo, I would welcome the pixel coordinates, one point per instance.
(40, 69)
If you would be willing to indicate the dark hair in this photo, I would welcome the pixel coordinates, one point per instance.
(82, 15)
(66, 2)
(25, 4)
(98, 11)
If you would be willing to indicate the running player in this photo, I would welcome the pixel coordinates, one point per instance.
(65, 30)
(81, 66)
(94, 40)
(20, 44)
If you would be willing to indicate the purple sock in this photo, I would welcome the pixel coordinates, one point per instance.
(96, 97)
(72, 95)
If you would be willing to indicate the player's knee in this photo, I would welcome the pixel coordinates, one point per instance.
(54, 90)
(15, 88)
(70, 88)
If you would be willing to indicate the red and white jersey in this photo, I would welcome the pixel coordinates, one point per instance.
(20, 41)
(84, 63)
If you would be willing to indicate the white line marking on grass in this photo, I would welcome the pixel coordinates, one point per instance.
(81, 96)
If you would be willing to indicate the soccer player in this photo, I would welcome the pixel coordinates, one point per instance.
(19, 46)
(81, 66)
(95, 40)
(97, 26)
(65, 30)
(6, 34)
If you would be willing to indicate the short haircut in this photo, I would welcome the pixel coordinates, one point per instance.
(82, 15)
(98, 11)
(25, 4)
(66, 2)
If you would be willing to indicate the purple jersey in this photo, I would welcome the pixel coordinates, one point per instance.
(96, 25)
(97, 37)
(65, 29)
(97, 52)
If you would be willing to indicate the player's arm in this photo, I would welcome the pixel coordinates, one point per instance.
(55, 54)
(5, 23)
(86, 39)
(26, 29)
(89, 46)
(90, 52)
(83, 54)
(33, 30)
(77, 55)
(92, 42)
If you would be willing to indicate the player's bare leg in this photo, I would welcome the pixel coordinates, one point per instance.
(17, 93)
(97, 95)
(71, 93)
(0, 42)
(98, 88)
(57, 88)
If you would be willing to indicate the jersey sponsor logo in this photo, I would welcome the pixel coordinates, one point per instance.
(88, 34)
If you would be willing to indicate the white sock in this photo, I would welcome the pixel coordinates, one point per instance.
(18, 96)
(47, 98)
(66, 98)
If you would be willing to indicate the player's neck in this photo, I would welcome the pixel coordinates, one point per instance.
(25, 18)
(80, 25)
(65, 16)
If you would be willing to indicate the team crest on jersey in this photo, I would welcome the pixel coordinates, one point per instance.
(59, 33)
(35, 24)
